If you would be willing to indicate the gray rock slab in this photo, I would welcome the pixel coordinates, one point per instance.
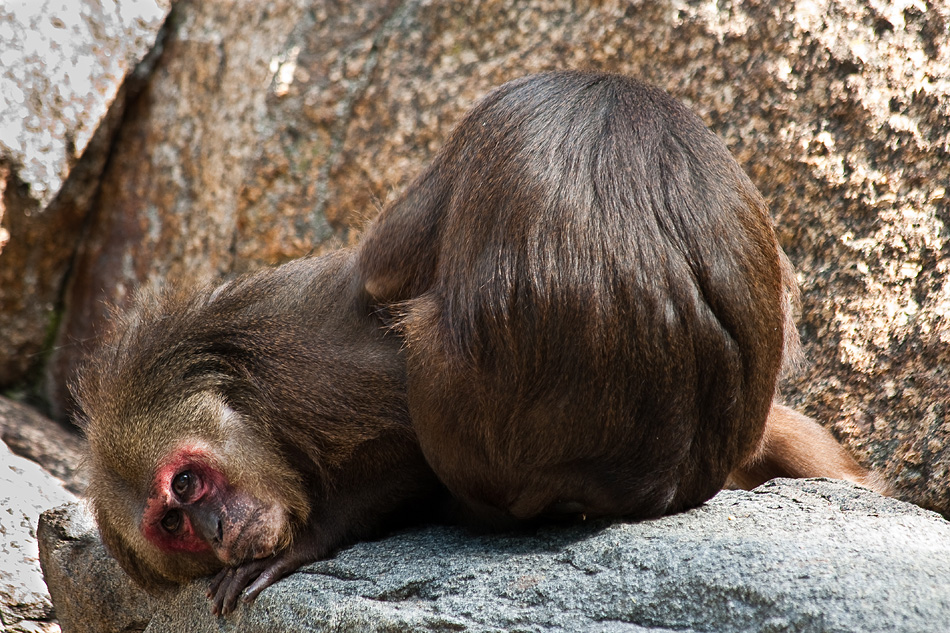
(51, 445)
(806, 555)
(89, 589)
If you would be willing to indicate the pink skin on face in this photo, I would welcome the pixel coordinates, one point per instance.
(210, 485)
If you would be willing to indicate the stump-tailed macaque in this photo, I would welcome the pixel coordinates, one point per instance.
(253, 427)
(594, 306)
(578, 310)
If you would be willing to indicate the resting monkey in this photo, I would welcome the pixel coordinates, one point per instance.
(595, 308)
(251, 427)
(579, 309)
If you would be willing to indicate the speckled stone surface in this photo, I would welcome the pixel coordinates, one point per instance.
(805, 556)
(63, 65)
(25, 491)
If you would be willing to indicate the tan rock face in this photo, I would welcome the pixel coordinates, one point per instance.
(280, 129)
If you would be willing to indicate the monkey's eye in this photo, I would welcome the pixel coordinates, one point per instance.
(171, 521)
(183, 484)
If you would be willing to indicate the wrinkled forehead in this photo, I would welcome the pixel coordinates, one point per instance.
(131, 446)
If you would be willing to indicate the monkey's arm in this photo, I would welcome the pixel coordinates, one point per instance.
(795, 445)
(386, 484)
(257, 575)
(343, 520)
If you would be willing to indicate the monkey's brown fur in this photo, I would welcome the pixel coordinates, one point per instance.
(589, 312)
(298, 394)
(592, 300)
(794, 445)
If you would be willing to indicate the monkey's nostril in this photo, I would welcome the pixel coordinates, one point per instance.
(220, 531)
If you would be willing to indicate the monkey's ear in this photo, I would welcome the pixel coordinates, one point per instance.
(141, 573)
(399, 254)
(392, 273)
(383, 288)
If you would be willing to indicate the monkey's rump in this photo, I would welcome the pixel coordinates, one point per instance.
(591, 299)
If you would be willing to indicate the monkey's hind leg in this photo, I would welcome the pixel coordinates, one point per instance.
(795, 445)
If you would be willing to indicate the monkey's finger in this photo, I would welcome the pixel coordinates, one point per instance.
(218, 590)
(268, 577)
(229, 584)
(242, 576)
(216, 582)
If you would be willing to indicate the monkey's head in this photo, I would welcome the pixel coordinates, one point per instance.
(182, 480)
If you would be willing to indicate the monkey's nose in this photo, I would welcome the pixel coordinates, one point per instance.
(208, 523)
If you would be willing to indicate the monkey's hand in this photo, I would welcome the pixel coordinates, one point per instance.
(257, 575)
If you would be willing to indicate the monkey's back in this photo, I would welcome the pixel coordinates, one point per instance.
(591, 301)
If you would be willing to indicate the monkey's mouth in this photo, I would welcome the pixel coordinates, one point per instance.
(258, 534)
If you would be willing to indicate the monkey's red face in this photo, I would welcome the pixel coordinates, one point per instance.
(193, 509)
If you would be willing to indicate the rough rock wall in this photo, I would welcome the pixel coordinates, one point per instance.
(281, 128)
(167, 208)
(65, 71)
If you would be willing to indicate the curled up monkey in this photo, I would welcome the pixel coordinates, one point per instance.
(578, 309)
